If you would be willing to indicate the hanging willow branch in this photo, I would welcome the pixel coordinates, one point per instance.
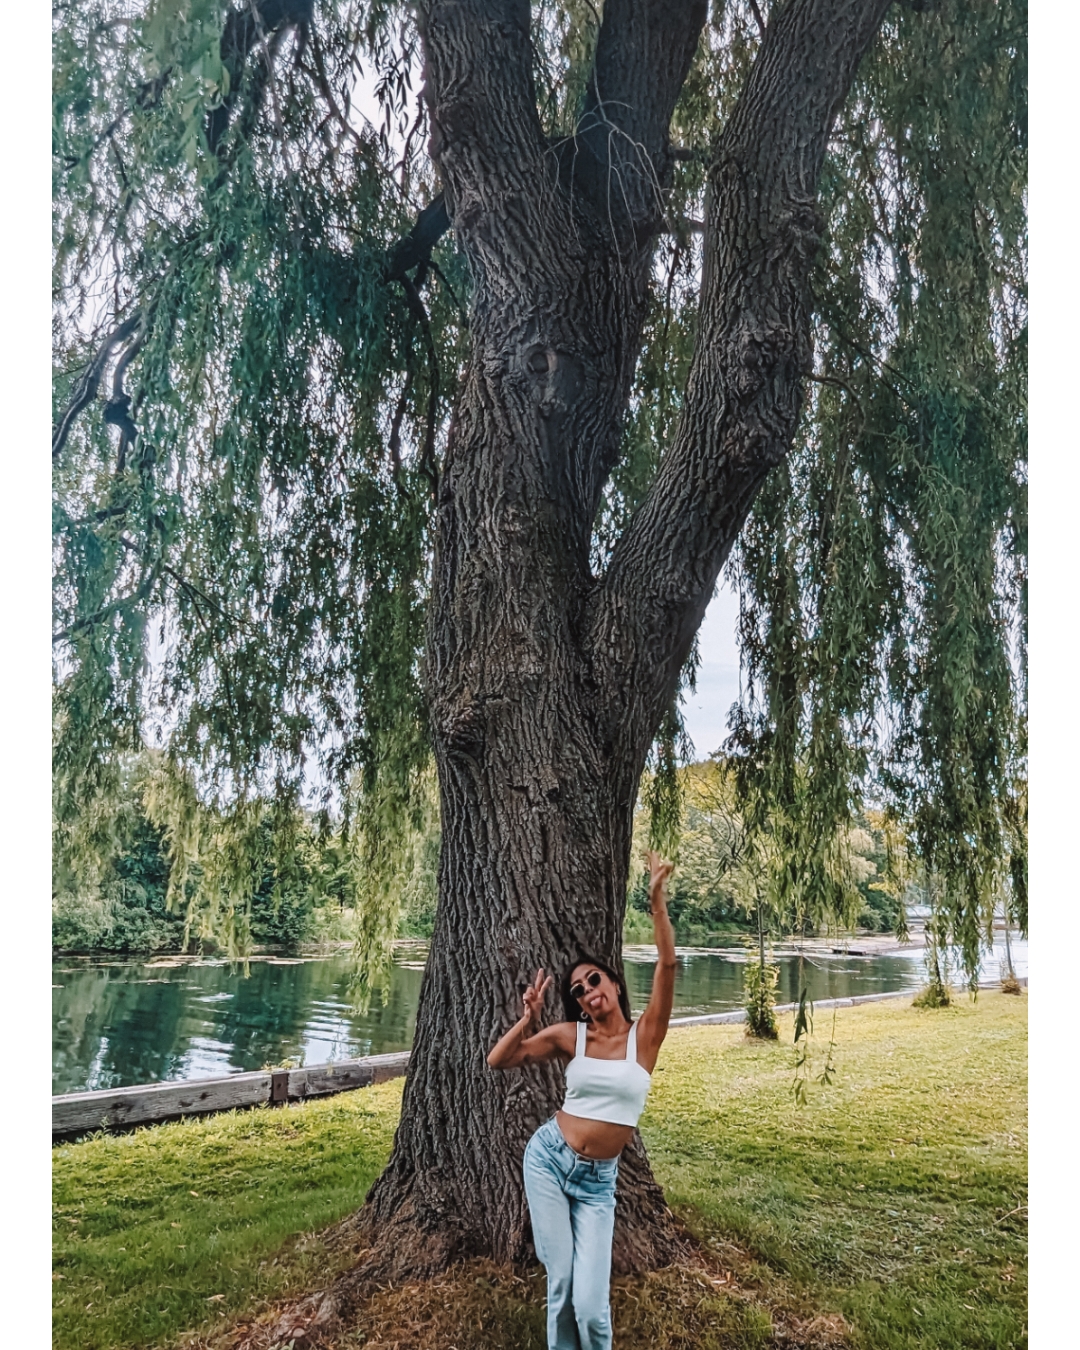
(291, 380)
(86, 388)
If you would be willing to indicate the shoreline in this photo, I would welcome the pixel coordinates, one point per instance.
(861, 942)
(865, 944)
(75, 1113)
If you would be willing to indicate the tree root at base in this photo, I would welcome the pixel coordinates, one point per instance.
(709, 1297)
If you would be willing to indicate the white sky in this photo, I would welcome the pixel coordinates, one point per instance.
(705, 711)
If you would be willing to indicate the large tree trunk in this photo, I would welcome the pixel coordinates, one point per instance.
(546, 685)
(535, 849)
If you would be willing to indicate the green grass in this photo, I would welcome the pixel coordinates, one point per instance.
(167, 1228)
(894, 1196)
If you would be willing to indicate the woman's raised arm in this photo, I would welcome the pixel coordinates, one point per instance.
(523, 1043)
(653, 1023)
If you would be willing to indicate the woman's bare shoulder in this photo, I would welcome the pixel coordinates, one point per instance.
(567, 1034)
(562, 1037)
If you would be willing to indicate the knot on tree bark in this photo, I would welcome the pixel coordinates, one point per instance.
(449, 121)
(460, 723)
(761, 355)
(556, 378)
(798, 232)
(764, 367)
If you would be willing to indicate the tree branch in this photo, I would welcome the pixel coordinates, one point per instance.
(87, 387)
(486, 139)
(415, 249)
(428, 460)
(136, 597)
(744, 392)
(240, 35)
(643, 54)
(118, 409)
(323, 82)
(245, 28)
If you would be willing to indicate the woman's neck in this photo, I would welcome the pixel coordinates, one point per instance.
(611, 1024)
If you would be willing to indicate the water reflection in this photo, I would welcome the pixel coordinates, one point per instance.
(714, 982)
(126, 1022)
(121, 1022)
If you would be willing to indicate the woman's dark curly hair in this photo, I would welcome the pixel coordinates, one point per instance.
(572, 1007)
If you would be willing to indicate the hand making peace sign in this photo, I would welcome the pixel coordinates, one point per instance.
(534, 996)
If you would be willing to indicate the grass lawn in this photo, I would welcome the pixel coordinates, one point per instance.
(166, 1228)
(895, 1197)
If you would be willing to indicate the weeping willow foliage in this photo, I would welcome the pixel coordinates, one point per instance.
(882, 573)
(247, 574)
(253, 390)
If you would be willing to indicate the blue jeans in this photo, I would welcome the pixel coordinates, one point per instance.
(572, 1204)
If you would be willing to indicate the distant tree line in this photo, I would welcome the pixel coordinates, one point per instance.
(726, 878)
(125, 883)
(144, 891)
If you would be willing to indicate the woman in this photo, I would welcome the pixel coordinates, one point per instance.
(572, 1160)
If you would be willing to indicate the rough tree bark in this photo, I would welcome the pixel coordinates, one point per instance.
(547, 684)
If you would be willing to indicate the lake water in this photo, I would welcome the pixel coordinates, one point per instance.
(119, 1022)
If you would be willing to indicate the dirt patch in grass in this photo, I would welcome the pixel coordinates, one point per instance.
(478, 1305)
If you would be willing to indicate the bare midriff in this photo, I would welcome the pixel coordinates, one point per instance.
(598, 1139)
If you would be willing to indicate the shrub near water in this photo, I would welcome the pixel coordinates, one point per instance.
(895, 1198)
(760, 990)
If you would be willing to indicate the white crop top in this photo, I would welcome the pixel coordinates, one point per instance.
(613, 1090)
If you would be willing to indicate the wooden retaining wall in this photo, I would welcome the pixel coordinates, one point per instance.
(147, 1104)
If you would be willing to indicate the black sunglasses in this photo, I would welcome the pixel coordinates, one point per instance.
(592, 980)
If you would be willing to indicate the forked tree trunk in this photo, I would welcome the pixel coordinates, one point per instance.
(546, 684)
